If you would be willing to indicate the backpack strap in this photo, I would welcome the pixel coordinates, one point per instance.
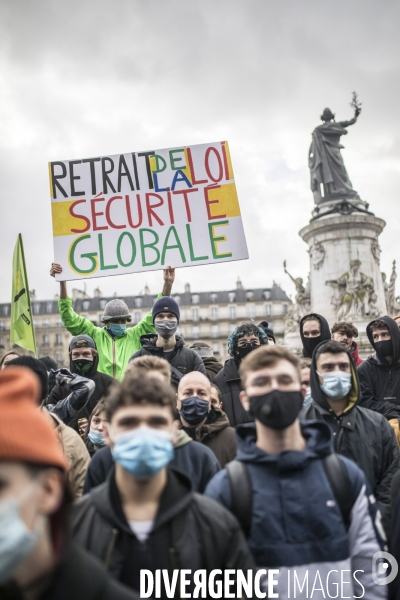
(175, 371)
(241, 494)
(339, 482)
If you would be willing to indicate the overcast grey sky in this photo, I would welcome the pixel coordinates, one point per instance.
(95, 77)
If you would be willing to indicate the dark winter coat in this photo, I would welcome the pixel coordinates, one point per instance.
(296, 522)
(228, 381)
(196, 460)
(189, 532)
(354, 354)
(361, 435)
(79, 575)
(394, 546)
(182, 358)
(379, 380)
(217, 435)
(325, 332)
(102, 382)
(213, 367)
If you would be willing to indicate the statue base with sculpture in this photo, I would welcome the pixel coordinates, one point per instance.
(345, 281)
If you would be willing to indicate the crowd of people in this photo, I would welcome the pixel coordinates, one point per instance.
(147, 454)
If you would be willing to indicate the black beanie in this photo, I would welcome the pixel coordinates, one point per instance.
(49, 363)
(166, 304)
(38, 368)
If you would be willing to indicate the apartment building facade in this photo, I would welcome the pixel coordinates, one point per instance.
(209, 316)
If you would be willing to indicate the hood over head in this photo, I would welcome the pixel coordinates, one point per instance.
(318, 395)
(324, 337)
(395, 335)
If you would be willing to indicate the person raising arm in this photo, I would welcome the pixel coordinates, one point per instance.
(115, 343)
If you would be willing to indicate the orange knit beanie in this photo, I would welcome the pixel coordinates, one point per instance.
(25, 433)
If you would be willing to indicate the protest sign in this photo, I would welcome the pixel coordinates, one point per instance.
(141, 211)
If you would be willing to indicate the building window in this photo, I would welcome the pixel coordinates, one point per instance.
(177, 299)
(2, 326)
(195, 332)
(250, 295)
(195, 298)
(103, 304)
(138, 316)
(214, 313)
(58, 339)
(231, 296)
(138, 302)
(46, 322)
(215, 347)
(232, 327)
(267, 295)
(45, 340)
(59, 323)
(250, 311)
(49, 307)
(1, 342)
(5, 310)
(195, 314)
(268, 310)
(213, 297)
(35, 323)
(284, 309)
(214, 331)
(59, 357)
(86, 304)
(232, 312)
(36, 308)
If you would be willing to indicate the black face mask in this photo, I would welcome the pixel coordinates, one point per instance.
(384, 348)
(82, 365)
(245, 350)
(276, 409)
(311, 343)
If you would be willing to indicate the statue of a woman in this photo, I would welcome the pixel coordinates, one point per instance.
(325, 159)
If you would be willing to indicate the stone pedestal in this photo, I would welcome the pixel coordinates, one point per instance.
(345, 277)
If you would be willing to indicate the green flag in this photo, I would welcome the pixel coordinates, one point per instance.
(22, 331)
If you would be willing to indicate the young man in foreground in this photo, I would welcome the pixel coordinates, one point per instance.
(146, 516)
(293, 518)
(37, 559)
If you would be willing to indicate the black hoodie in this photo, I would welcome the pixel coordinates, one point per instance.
(379, 380)
(102, 382)
(361, 435)
(324, 337)
(190, 531)
(181, 357)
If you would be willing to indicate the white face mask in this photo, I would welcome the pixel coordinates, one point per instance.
(307, 397)
(336, 384)
(16, 540)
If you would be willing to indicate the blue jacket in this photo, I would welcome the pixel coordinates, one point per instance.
(296, 522)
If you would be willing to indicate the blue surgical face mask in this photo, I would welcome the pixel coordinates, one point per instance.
(117, 330)
(16, 540)
(194, 410)
(96, 437)
(144, 451)
(307, 397)
(336, 385)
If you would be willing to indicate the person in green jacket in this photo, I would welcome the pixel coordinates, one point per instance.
(115, 343)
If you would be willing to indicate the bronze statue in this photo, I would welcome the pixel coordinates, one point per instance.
(325, 159)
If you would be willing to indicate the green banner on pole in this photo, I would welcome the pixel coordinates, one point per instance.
(22, 330)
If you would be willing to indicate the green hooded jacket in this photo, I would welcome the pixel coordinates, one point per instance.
(114, 353)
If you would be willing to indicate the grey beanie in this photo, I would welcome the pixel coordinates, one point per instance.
(116, 309)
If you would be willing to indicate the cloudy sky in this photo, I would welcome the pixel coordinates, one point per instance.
(81, 78)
